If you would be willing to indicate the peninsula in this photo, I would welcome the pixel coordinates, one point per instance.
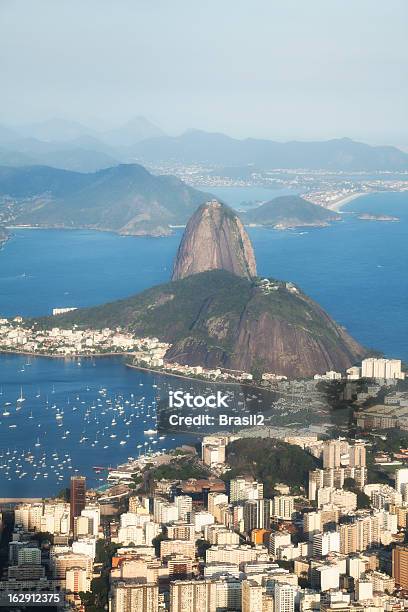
(213, 317)
(126, 199)
(289, 211)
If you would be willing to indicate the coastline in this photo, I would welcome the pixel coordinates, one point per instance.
(195, 378)
(338, 205)
(155, 371)
(284, 227)
(6, 237)
(71, 357)
(94, 229)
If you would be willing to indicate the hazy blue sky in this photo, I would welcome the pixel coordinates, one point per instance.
(277, 69)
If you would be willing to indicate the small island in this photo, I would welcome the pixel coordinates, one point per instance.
(287, 212)
(371, 217)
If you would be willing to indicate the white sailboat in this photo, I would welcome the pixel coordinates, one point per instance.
(21, 398)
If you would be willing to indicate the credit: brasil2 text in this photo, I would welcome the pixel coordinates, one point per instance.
(205, 420)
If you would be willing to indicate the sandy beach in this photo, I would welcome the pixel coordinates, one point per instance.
(338, 204)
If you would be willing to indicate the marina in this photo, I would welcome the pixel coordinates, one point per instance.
(58, 419)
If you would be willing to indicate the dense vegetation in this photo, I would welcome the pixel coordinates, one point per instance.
(125, 198)
(180, 469)
(187, 309)
(289, 210)
(271, 461)
(169, 311)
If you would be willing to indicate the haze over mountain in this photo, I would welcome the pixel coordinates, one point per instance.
(125, 199)
(204, 147)
(54, 129)
(289, 211)
(215, 318)
(214, 239)
(7, 134)
(70, 145)
(132, 131)
(76, 156)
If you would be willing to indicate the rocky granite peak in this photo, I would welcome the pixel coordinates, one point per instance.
(214, 239)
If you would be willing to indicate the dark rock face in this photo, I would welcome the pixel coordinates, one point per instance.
(264, 338)
(214, 239)
(218, 319)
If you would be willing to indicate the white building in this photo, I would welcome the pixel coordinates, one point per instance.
(326, 577)
(165, 512)
(277, 540)
(251, 596)
(201, 519)
(326, 543)
(184, 505)
(84, 546)
(364, 589)
(401, 478)
(312, 524)
(283, 507)
(381, 368)
(213, 450)
(58, 311)
(242, 489)
(284, 597)
(93, 513)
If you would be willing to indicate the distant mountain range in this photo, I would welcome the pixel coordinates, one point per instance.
(289, 211)
(63, 130)
(125, 199)
(135, 130)
(72, 146)
(338, 154)
(58, 155)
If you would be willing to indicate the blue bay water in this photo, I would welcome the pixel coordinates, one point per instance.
(355, 269)
(247, 197)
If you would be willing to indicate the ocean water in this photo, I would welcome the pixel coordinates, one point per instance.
(247, 197)
(62, 417)
(355, 269)
(42, 269)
